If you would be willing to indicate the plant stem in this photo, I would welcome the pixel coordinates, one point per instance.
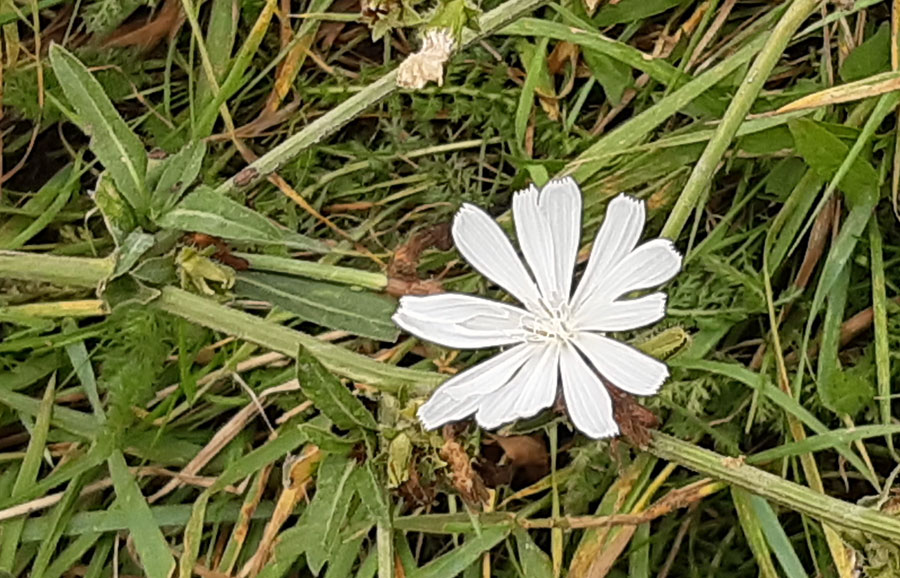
(70, 271)
(340, 115)
(319, 271)
(88, 272)
(79, 308)
(340, 361)
(759, 72)
(837, 513)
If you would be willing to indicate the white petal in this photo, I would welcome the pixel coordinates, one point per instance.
(460, 321)
(535, 240)
(651, 264)
(463, 394)
(621, 315)
(561, 202)
(587, 400)
(617, 237)
(530, 391)
(488, 376)
(482, 242)
(442, 408)
(548, 226)
(622, 365)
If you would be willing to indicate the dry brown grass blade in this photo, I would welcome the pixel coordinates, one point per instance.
(299, 478)
(242, 526)
(221, 438)
(866, 88)
(146, 36)
(818, 237)
(290, 66)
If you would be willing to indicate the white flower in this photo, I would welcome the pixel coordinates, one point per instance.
(558, 335)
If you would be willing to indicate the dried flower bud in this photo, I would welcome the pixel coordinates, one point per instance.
(428, 63)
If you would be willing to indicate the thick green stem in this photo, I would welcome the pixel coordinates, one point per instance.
(743, 100)
(67, 271)
(340, 115)
(312, 270)
(86, 272)
(837, 513)
(204, 311)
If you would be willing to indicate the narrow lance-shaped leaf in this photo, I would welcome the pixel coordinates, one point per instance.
(149, 541)
(330, 396)
(326, 304)
(328, 509)
(173, 176)
(460, 558)
(114, 143)
(206, 211)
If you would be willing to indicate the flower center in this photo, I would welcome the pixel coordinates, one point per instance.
(553, 324)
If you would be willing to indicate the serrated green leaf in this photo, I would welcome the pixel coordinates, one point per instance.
(206, 211)
(326, 304)
(328, 510)
(330, 396)
(173, 176)
(149, 541)
(824, 153)
(114, 143)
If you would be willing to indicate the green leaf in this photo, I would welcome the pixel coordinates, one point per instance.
(614, 76)
(44, 205)
(462, 557)
(347, 552)
(114, 143)
(117, 215)
(328, 509)
(631, 11)
(870, 57)
(777, 539)
(133, 247)
(149, 541)
(172, 176)
(326, 304)
(824, 152)
(849, 390)
(764, 385)
(11, 530)
(371, 493)
(753, 532)
(330, 396)
(206, 211)
(535, 562)
(536, 66)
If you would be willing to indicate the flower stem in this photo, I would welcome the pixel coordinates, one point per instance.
(66, 271)
(837, 513)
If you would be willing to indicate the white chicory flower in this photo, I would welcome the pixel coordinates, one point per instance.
(557, 336)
